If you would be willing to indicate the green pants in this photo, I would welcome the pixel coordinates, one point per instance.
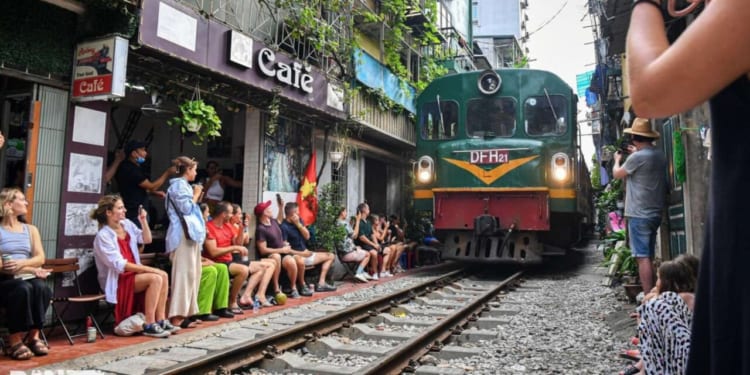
(213, 293)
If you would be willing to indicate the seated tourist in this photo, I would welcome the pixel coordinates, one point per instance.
(368, 241)
(664, 327)
(294, 231)
(352, 253)
(271, 245)
(23, 292)
(240, 224)
(129, 285)
(221, 243)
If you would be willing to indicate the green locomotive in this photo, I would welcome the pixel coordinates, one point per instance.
(499, 165)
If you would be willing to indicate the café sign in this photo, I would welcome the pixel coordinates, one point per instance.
(99, 69)
(296, 75)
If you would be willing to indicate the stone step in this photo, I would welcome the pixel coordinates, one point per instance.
(328, 344)
(363, 331)
(396, 321)
(449, 352)
(290, 362)
(434, 370)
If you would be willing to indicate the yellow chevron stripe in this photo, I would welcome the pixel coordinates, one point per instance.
(423, 194)
(492, 175)
(490, 189)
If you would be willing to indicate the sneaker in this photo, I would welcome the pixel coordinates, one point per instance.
(294, 294)
(385, 274)
(224, 313)
(155, 330)
(369, 277)
(325, 288)
(361, 277)
(373, 277)
(167, 326)
(305, 291)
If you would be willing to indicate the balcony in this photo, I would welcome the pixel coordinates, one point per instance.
(387, 125)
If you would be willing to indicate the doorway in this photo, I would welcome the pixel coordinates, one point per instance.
(15, 117)
(376, 185)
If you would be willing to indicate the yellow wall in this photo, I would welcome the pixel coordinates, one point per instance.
(369, 45)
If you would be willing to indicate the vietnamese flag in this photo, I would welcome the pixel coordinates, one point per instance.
(307, 197)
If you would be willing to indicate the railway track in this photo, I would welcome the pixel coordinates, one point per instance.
(381, 336)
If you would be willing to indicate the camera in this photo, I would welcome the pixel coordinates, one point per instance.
(624, 147)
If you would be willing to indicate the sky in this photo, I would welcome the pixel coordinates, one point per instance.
(562, 43)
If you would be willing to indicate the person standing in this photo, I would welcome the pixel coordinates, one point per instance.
(134, 183)
(27, 299)
(662, 84)
(645, 195)
(184, 249)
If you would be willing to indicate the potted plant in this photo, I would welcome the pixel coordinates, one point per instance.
(328, 234)
(197, 117)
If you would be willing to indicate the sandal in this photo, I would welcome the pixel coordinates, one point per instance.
(19, 352)
(630, 370)
(235, 310)
(631, 354)
(38, 347)
(188, 323)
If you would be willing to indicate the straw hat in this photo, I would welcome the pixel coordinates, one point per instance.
(642, 126)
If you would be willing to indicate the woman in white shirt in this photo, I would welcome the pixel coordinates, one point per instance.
(127, 283)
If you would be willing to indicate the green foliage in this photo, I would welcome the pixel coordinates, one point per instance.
(328, 234)
(626, 264)
(678, 155)
(596, 174)
(196, 113)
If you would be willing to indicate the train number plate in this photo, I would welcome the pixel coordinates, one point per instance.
(496, 156)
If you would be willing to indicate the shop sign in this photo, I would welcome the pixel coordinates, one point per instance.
(296, 75)
(99, 69)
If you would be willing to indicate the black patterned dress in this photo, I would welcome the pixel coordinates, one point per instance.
(664, 333)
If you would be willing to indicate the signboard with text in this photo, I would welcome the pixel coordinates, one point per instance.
(99, 69)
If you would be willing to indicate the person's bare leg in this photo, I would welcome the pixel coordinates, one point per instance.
(365, 260)
(386, 258)
(327, 260)
(290, 266)
(373, 262)
(646, 273)
(300, 261)
(239, 274)
(263, 286)
(151, 284)
(161, 306)
(257, 271)
(277, 272)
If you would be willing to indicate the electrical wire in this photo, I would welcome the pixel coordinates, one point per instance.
(547, 22)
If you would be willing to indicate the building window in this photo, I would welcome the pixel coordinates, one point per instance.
(475, 12)
(338, 179)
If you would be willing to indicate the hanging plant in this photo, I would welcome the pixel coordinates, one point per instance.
(198, 118)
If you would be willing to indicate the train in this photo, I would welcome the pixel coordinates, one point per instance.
(499, 166)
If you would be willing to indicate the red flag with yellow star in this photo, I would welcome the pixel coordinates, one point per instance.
(307, 197)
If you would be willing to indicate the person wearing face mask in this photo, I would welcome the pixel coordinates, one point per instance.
(133, 180)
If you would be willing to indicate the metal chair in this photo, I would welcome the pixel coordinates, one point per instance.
(87, 301)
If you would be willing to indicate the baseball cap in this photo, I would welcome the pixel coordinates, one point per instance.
(133, 145)
(260, 207)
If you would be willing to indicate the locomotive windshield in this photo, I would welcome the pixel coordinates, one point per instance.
(491, 117)
(439, 122)
(545, 115)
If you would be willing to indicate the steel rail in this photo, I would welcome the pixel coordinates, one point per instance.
(398, 359)
(270, 345)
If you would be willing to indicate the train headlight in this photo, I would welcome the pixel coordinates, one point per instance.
(560, 164)
(425, 170)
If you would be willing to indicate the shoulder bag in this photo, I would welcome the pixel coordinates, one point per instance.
(181, 217)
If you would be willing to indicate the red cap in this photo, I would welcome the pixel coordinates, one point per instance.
(260, 207)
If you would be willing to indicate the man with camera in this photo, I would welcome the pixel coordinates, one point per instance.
(645, 195)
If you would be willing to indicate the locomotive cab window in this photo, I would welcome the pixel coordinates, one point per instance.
(491, 117)
(439, 122)
(545, 115)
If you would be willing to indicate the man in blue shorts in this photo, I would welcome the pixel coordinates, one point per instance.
(645, 197)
